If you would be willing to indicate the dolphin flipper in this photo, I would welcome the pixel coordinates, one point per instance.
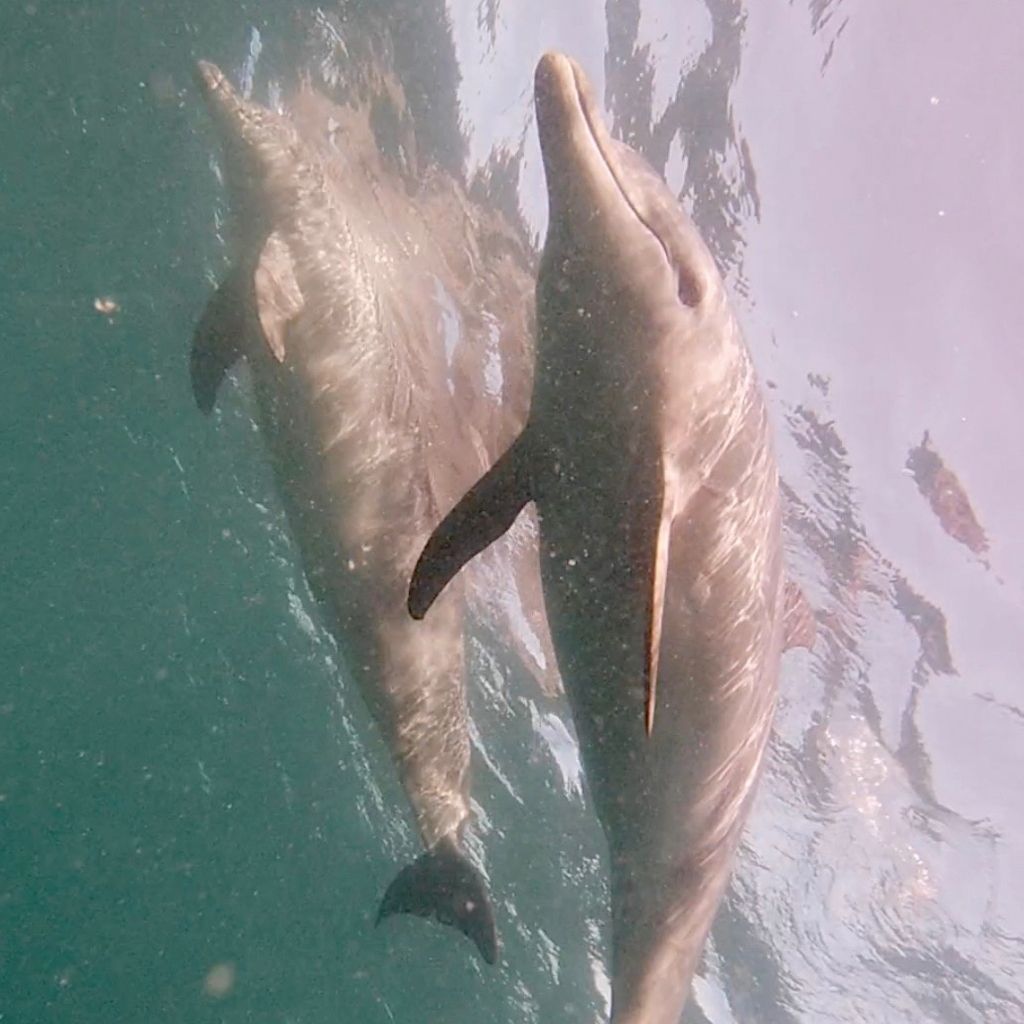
(485, 512)
(442, 883)
(218, 340)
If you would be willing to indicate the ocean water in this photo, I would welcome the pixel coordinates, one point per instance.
(197, 816)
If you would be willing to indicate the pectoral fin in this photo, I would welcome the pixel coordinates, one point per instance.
(220, 336)
(665, 506)
(485, 512)
(278, 298)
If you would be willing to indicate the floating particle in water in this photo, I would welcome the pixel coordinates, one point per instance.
(219, 981)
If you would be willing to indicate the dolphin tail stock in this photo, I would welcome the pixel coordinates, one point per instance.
(483, 514)
(442, 883)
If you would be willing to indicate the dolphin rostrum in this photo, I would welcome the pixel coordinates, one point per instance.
(351, 406)
(649, 456)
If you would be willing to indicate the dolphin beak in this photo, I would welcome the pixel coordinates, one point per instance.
(218, 92)
(564, 100)
(579, 156)
(573, 164)
(557, 97)
(554, 79)
(210, 77)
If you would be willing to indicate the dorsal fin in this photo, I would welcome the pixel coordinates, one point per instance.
(665, 504)
(278, 297)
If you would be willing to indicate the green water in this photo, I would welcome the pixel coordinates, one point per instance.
(186, 783)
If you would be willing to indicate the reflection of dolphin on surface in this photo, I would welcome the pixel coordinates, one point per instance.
(649, 457)
(331, 311)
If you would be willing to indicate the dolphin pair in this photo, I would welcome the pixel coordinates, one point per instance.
(649, 457)
(331, 310)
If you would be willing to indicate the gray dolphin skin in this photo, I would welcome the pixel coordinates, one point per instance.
(348, 409)
(649, 456)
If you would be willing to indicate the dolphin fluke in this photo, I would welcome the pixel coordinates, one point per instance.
(443, 884)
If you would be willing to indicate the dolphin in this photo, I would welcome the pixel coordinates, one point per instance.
(649, 457)
(350, 404)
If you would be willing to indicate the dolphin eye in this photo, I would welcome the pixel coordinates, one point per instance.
(689, 287)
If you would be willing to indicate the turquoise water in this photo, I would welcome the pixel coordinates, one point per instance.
(198, 817)
(186, 782)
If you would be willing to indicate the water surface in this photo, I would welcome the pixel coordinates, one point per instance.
(198, 816)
